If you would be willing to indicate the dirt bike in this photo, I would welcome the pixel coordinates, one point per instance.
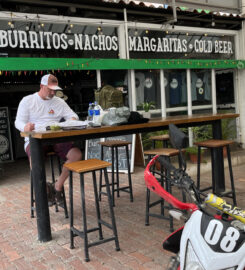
(213, 235)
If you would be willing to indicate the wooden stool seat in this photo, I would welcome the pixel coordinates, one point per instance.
(114, 143)
(168, 152)
(214, 143)
(82, 167)
(89, 165)
(163, 137)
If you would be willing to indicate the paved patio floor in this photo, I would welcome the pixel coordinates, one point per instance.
(141, 246)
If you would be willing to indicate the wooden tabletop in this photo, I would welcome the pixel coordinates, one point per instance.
(153, 123)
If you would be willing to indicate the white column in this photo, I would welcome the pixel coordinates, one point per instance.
(243, 7)
(121, 42)
(98, 75)
(241, 102)
(213, 89)
(189, 103)
(163, 94)
(132, 96)
(240, 87)
(188, 82)
(126, 32)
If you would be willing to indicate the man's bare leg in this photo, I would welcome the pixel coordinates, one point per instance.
(73, 155)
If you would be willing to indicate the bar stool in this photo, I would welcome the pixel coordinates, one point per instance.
(114, 145)
(50, 155)
(165, 181)
(82, 167)
(162, 138)
(213, 144)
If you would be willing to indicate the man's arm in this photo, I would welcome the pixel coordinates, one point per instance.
(68, 113)
(22, 118)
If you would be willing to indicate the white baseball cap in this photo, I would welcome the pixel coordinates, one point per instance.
(51, 81)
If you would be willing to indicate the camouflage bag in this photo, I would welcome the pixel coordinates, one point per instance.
(108, 97)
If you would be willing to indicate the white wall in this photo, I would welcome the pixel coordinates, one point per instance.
(240, 88)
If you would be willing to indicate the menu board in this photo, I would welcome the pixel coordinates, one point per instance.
(6, 152)
(93, 150)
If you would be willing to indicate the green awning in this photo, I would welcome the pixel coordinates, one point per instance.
(25, 64)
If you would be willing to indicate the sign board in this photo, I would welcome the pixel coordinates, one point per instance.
(6, 152)
(162, 45)
(156, 42)
(93, 150)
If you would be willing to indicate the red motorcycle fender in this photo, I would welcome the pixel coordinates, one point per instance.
(172, 242)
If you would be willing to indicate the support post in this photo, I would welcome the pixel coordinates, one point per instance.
(40, 190)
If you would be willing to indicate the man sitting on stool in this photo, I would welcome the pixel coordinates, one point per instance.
(39, 109)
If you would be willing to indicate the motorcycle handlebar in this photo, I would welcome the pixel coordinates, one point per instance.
(153, 185)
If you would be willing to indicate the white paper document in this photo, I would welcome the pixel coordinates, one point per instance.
(69, 124)
(73, 124)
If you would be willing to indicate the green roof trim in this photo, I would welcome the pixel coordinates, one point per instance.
(25, 64)
(199, 10)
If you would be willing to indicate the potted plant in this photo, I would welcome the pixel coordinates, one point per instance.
(146, 106)
(228, 131)
(192, 152)
(199, 134)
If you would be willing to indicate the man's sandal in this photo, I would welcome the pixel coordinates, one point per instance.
(50, 194)
(58, 196)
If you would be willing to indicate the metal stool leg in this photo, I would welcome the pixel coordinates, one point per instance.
(51, 163)
(112, 176)
(212, 164)
(153, 144)
(129, 176)
(231, 175)
(198, 167)
(32, 196)
(100, 182)
(97, 207)
(147, 200)
(147, 207)
(63, 189)
(180, 166)
(162, 184)
(117, 171)
(85, 230)
(71, 210)
(114, 228)
(65, 204)
(169, 189)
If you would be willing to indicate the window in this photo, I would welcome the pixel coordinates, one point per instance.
(175, 88)
(147, 85)
(201, 87)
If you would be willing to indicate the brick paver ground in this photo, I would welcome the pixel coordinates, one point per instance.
(141, 246)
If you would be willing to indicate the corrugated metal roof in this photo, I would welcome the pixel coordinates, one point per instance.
(168, 7)
(137, 11)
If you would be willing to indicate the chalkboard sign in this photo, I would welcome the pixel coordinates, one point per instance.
(6, 152)
(93, 150)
